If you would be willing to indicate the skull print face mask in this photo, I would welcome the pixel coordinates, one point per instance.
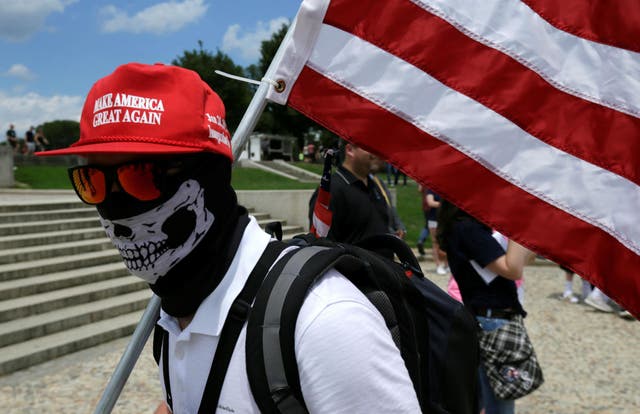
(183, 243)
(153, 242)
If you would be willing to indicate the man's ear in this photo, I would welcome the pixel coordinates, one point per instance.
(348, 150)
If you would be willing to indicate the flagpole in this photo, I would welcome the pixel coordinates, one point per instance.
(259, 100)
(129, 357)
(147, 322)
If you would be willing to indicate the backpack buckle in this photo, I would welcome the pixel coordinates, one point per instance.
(239, 310)
(410, 270)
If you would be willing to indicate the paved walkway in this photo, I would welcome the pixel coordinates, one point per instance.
(590, 361)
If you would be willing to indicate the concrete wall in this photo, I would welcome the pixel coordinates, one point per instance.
(59, 160)
(6, 167)
(292, 205)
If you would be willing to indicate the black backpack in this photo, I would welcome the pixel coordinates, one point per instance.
(436, 335)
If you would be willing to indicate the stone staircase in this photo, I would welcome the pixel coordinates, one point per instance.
(63, 286)
(284, 169)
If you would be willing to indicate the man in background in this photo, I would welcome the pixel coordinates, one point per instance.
(396, 226)
(361, 207)
(12, 139)
(30, 140)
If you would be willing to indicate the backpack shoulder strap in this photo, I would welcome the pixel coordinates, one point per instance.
(158, 333)
(271, 365)
(236, 318)
(238, 315)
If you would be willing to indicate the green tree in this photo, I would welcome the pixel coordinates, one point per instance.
(235, 95)
(61, 133)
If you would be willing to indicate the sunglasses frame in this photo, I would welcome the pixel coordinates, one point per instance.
(163, 179)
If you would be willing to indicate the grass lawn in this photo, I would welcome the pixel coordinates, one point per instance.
(42, 177)
(410, 210)
(314, 168)
(408, 197)
(255, 179)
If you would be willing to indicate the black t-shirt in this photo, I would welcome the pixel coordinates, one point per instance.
(470, 240)
(359, 210)
(433, 211)
(11, 133)
(29, 137)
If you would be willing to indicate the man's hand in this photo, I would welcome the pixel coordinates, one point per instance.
(401, 233)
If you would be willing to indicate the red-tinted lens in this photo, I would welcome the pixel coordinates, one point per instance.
(89, 183)
(139, 180)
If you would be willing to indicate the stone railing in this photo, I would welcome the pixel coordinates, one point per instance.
(6, 167)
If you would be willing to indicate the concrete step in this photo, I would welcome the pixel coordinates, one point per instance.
(260, 216)
(9, 229)
(290, 231)
(16, 288)
(24, 329)
(25, 254)
(57, 264)
(37, 206)
(51, 237)
(25, 354)
(45, 302)
(263, 222)
(30, 216)
(286, 229)
(63, 287)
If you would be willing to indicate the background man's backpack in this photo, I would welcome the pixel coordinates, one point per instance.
(436, 335)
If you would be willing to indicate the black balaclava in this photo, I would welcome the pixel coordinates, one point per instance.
(182, 244)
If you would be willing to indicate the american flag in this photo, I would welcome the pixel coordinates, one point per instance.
(322, 215)
(524, 113)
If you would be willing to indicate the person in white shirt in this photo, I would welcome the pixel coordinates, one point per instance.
(159, 173)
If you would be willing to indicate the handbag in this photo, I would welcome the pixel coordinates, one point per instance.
(509, 360)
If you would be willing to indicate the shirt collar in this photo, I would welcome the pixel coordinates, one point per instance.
(347, 175)
(212, 312)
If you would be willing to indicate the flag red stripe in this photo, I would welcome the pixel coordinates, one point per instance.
(420, 155)
(614, 23)
(322, 211)
(599, 135)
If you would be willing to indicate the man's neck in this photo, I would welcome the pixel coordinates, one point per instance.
(359, 176)
(184, 321)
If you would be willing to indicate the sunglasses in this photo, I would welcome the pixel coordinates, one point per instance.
(143, 180)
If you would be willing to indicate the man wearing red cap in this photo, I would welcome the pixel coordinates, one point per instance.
(159, 173)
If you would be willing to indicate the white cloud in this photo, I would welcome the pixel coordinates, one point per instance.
(33, 109)
(160, 18)
(249, 42)
(20, 71)
(19, 20)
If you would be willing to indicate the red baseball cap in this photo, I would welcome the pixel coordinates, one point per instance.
(151, 109)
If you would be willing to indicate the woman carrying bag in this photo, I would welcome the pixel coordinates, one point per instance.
(486, 276)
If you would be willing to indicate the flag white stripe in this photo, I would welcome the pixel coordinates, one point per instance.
(603, 74)
(322, 229)
(305, 29)
(593, 194)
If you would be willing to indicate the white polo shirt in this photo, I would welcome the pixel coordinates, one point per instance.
(347, 360)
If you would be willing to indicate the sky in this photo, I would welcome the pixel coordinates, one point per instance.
(52, 51)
